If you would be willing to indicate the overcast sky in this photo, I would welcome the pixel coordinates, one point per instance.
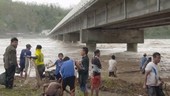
(62, 3)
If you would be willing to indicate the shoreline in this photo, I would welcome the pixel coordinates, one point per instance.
(128, 83)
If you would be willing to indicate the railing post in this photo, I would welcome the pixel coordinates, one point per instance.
(158, 5)
(125, 9)
(106, 13)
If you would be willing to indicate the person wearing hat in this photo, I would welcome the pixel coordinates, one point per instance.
(23, 59)
(39, 61)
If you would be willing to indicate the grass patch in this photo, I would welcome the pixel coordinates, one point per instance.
(20, 91)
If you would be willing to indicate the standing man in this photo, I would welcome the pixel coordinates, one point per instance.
(23, 60)
(39, 61)
(142, 61)
(152, 80)
(96, 77)
(83, 70)
(10, 62)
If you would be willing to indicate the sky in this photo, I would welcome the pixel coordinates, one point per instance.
(62, 3)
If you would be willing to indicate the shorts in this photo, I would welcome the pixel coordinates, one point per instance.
(58, 76)
(95, 81)
(112, 74)
(22, 66)
(41, 69)
(69, 81)
(83, 82)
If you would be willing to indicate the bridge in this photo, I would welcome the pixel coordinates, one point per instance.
(111, 21)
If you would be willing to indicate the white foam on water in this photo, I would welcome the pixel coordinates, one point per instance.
(51, 48)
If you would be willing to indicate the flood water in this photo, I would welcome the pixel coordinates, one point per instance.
(52, 47)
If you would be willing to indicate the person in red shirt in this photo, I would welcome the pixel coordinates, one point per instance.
(96, 76)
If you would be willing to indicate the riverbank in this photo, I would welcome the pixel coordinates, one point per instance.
(128, 83)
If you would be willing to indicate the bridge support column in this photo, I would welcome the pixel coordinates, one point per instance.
(60, 37)
(132, 47)
(91, 46)
(71, 37)
(66, 38)
(54, 37)
(94, 36)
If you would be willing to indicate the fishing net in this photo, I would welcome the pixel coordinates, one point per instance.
(33, 77)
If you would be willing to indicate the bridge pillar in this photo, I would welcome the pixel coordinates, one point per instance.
(71, 37)
(60, 37)
(132, 47)
(66, 38)
(54, 37)
(91, 46)
(94, 36)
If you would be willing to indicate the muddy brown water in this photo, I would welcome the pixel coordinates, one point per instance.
(52, 47)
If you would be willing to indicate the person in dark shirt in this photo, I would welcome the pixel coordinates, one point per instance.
(23, 60)
(96, 78)
(10, 62)
(83, 70)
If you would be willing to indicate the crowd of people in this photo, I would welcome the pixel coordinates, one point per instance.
(65, 70)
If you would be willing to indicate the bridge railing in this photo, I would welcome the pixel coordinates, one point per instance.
(74, 12)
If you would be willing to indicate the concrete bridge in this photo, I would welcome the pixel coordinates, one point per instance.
(111, 21)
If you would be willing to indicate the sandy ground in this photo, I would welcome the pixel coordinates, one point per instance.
(128, 74)
(128, 83)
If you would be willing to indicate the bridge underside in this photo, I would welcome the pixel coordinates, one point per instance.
(115, 21)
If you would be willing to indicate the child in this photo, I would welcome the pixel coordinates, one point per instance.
(112, 67)
(58, 64)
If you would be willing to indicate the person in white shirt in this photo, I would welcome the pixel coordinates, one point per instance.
(112, 67)
(152, 80)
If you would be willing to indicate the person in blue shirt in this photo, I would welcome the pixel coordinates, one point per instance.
(142, 61)
(58, 65)
(68, 75)
(23, 60)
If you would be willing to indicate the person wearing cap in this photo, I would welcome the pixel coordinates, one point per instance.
(23, 59)
(39, 61)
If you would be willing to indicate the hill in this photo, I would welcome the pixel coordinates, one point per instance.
(21, 17)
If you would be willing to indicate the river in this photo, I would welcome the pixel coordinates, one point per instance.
(52, 47)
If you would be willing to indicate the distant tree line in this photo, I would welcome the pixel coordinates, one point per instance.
(21, 17)
(162, 32)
